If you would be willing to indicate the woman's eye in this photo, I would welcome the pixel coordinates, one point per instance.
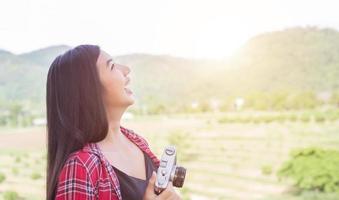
(112, 66)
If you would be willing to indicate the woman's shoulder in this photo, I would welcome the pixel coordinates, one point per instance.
(87, 155)
(80, 170)
(81, 164)
(84, 158)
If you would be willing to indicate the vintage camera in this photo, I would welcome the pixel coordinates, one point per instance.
(169, 171)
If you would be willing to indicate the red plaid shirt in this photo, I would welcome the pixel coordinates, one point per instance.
(88, 175)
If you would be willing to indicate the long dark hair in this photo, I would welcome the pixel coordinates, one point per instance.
(75, 111)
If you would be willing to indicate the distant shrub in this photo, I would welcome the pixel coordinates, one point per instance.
(319, 117)
(268, 119)
(292, 117)
(35, 175)
(227, 119)
(280, 118)
(305, 118)
(223, 120)
(313, 169)
(256, 120)
(18, 159)
(27, 164)
(266, 169)
(10, 195)
(37, 161)
(15, 171)
(2, 177)
(304, 195)
(316, 195)
(332, 116)
(236, 119)
(244, 119)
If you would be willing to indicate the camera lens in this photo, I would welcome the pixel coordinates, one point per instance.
(179, 176)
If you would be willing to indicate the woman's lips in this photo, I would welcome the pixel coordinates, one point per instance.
(128, 91)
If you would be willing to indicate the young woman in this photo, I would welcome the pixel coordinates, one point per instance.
(90, 155)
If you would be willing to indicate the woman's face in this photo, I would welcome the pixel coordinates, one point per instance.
(114, 78)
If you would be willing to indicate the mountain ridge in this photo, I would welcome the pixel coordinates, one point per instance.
(294, 59)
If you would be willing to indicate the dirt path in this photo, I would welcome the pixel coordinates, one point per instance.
(23, 139)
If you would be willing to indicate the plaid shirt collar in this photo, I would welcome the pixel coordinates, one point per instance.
(136, 139)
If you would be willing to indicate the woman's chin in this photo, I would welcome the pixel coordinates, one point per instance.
(131, 102)
(130, 99)
(129, 96)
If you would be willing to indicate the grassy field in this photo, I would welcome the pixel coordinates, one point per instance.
(223, 160)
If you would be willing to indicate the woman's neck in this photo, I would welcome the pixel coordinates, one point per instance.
(114, 134)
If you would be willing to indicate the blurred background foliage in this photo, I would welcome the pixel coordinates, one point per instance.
(261, 124)
(293, 69)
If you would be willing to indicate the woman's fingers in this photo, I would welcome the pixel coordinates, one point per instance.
(167, 193)
(151, 182)
(149, 192)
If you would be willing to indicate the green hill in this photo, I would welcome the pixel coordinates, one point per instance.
(295, 59)
(23, 77)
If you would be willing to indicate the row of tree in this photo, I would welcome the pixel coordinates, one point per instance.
(16, 114)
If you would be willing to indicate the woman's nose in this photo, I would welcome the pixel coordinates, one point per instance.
(124, 69)
(127, 70)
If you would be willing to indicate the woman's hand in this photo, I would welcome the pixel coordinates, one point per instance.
(167, 194)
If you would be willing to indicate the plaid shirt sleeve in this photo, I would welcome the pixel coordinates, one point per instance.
(75, 182)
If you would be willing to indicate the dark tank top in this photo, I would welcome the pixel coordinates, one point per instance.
(133, 188)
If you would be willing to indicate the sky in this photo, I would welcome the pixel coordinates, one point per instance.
(212, 29)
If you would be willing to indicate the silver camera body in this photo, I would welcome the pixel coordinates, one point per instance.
(169, 171)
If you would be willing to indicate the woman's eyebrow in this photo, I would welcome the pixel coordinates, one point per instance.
(107, 62)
